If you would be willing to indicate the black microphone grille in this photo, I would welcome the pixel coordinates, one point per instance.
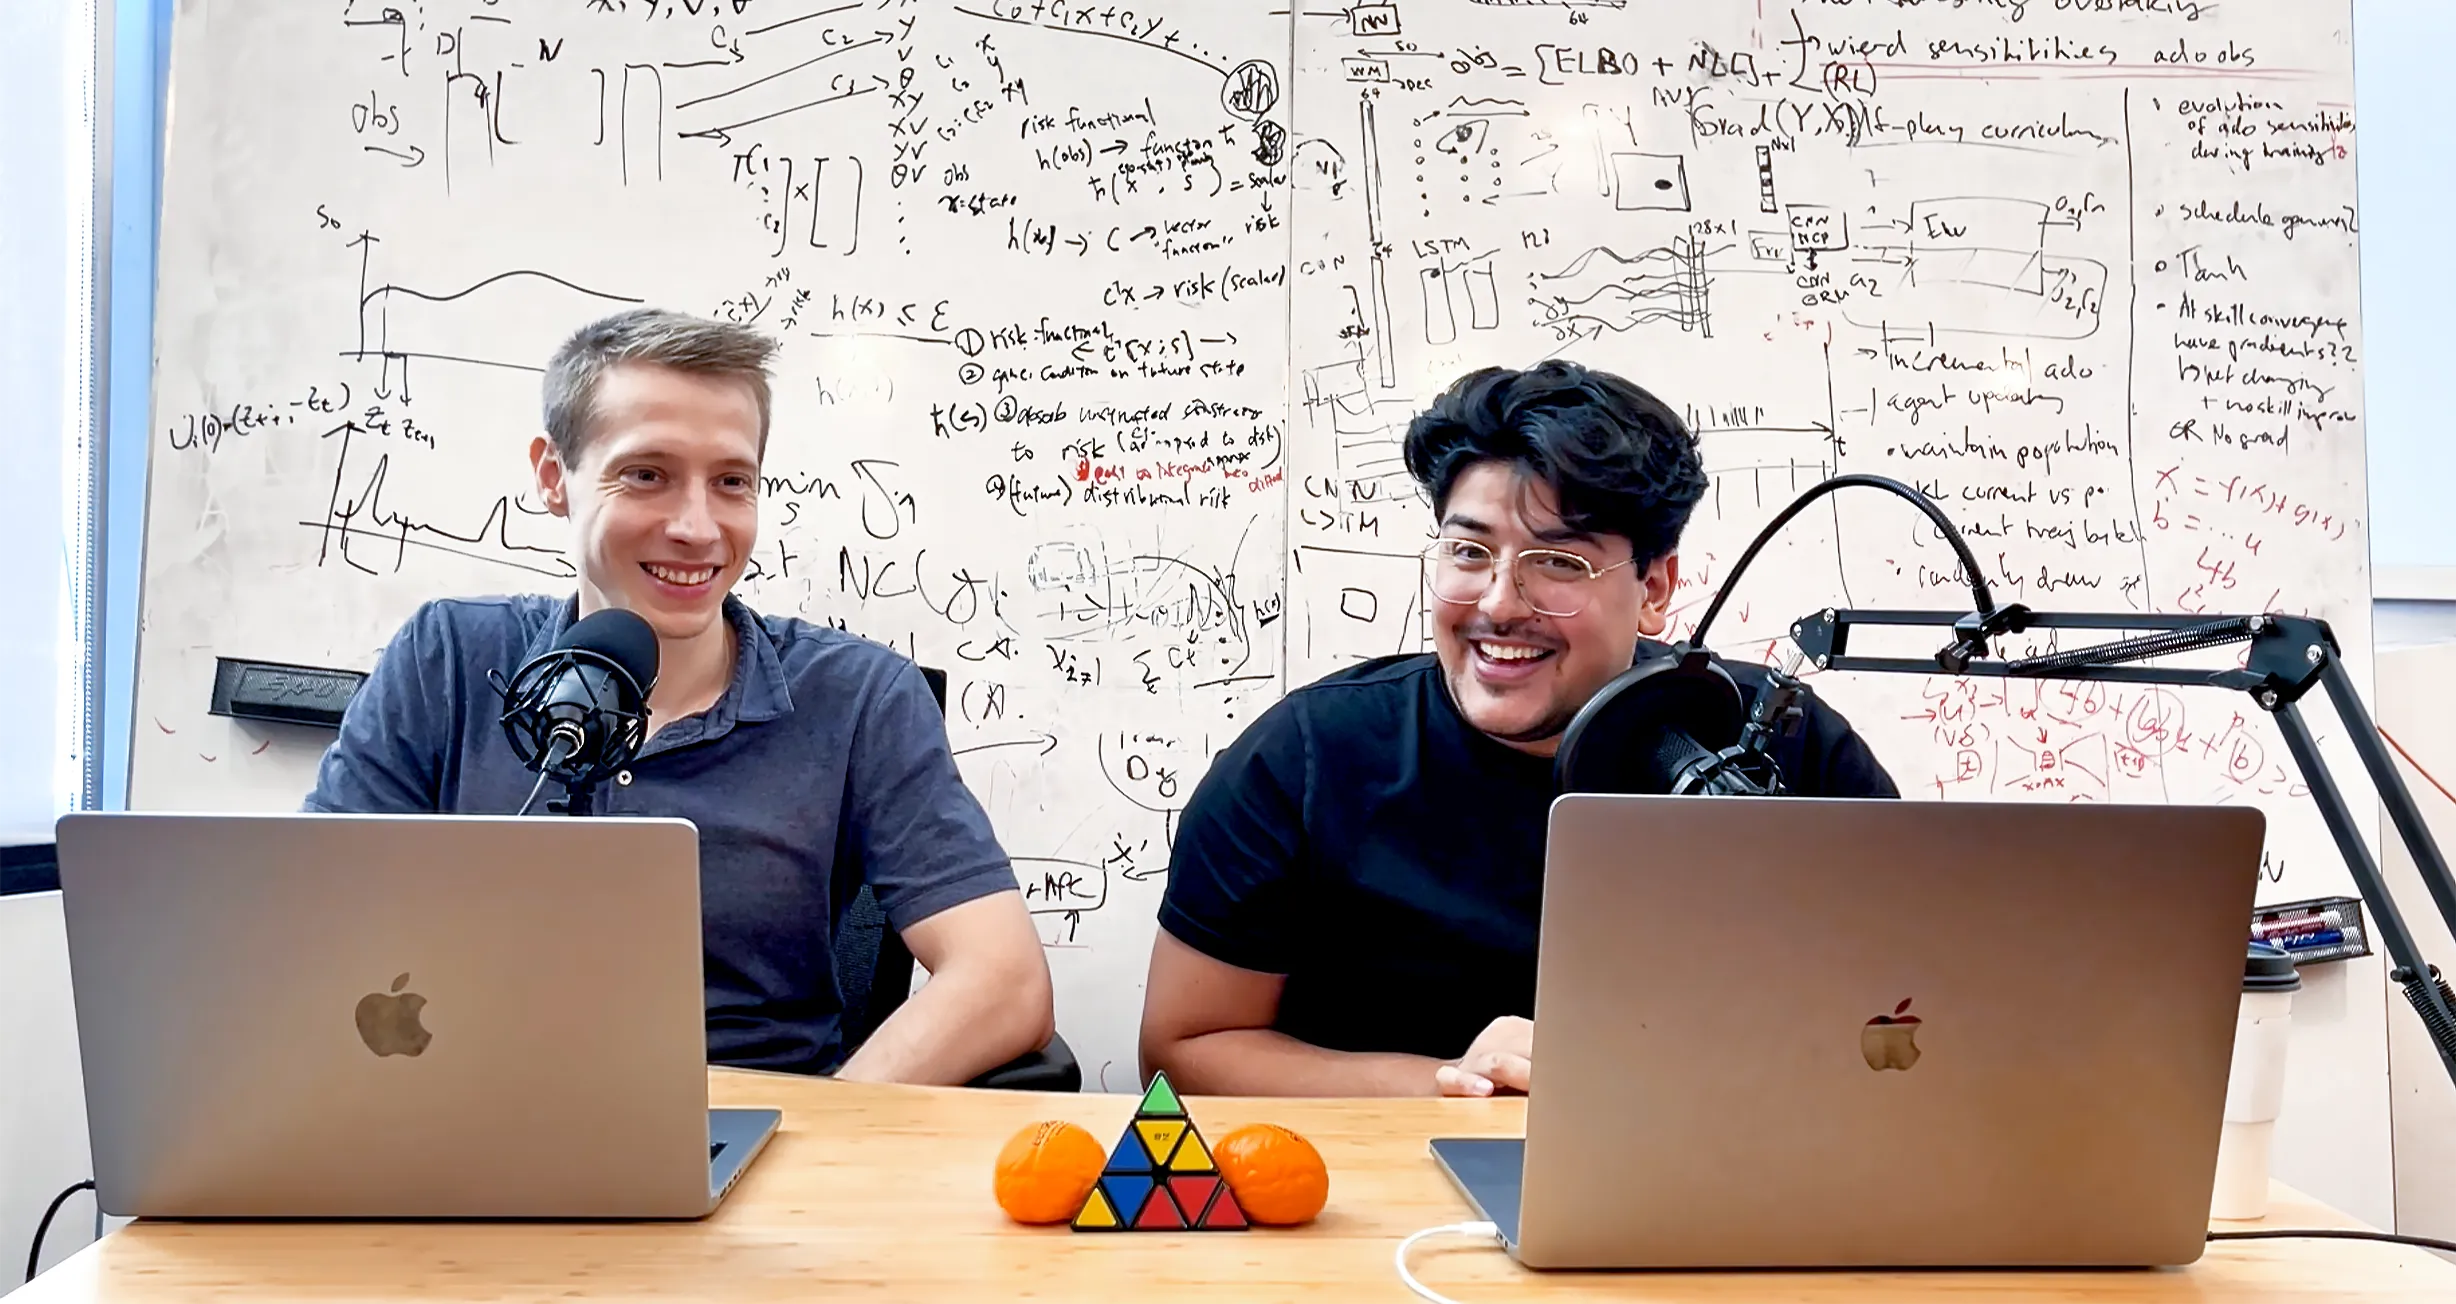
(619, 636)
(1641, 730)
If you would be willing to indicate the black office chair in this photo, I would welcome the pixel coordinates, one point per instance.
(874, 972)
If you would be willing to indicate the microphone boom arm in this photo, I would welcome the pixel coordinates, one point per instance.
(2288, 657)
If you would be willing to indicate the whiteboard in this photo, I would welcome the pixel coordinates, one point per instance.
(1101, 327)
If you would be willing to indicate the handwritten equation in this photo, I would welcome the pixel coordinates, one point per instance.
(1102, 325)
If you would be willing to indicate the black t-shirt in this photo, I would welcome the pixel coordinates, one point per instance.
(1364, 840)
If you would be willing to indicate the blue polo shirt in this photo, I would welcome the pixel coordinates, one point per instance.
(824, 764)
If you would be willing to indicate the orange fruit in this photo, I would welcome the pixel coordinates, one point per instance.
(1045, 1172)
(1277, 1175)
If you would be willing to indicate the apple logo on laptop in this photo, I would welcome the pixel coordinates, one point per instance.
(389, 1024)
(1891, 1041)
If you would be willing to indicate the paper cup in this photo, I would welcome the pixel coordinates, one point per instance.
(2255, 1086)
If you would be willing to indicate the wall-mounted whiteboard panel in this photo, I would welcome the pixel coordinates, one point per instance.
(1029, 272)
(2084, 273)
(1102, 325)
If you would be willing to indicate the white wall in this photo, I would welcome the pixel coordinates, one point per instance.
(2416, 709)
(2408, 187)
(46, 190)
(2413, 606)
(42, 1102)
(47, 61)
(2408, 184)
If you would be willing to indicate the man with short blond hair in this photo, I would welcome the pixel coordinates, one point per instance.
(812, 761)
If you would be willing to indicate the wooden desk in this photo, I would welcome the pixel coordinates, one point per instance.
(883, 1192)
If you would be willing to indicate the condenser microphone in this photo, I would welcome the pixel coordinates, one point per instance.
(1672, 724)
(579, 711)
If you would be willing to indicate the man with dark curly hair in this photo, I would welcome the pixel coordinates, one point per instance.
(1355, 887)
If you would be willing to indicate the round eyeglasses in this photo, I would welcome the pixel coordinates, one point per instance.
(1554, 583)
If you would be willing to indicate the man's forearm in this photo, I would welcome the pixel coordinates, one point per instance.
(957, 1027)
(1261, 1062)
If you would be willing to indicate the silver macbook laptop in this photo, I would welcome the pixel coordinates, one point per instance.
(1787, 1032)
(360, 1016)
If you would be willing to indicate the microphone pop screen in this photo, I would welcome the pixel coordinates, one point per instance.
(619, 636)
(1658, 727)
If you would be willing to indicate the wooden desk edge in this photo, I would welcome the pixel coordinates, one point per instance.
(956, 1123)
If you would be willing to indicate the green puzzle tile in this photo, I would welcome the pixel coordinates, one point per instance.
(1161, 1100)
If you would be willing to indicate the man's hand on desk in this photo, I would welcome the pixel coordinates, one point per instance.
(1502, 1059)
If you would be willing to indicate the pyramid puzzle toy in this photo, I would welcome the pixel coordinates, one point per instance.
(1160, 1176)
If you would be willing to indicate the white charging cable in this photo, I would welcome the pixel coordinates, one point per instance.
(1452, 1229)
